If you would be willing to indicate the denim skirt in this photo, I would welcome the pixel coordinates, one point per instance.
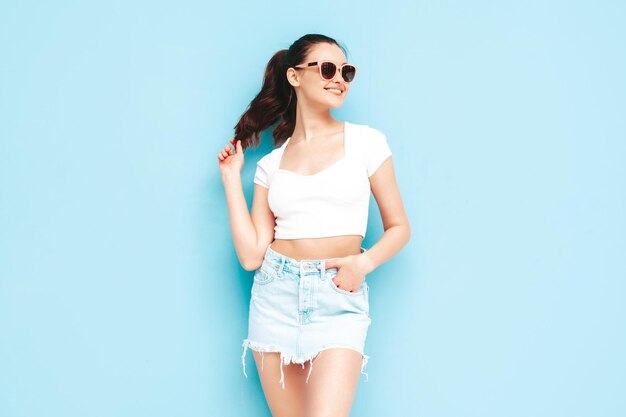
(297, 309)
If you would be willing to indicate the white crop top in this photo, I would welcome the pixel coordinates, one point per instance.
(332, 202)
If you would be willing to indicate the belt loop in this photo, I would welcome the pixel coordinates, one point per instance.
(282, 264)
(323, 268)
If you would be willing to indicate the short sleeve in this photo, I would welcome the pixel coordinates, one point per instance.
(377, 152)
(262, 172)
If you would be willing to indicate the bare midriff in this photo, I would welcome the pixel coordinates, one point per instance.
(318, 248)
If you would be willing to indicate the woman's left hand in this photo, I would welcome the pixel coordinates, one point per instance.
(351, 271)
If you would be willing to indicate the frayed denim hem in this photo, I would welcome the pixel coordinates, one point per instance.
(286, 359)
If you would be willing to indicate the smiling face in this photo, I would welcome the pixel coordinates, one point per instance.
(311, 89)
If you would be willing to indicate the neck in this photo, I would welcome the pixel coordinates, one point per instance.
(311, 124)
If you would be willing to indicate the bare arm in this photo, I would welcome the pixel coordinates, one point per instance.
(395, 221)
(251, 233)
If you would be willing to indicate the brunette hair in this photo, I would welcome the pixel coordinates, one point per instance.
(277, 98)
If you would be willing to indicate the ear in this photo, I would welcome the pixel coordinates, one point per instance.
(293, 77)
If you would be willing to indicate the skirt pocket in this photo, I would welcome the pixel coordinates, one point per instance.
(265, 274)
(332, 272)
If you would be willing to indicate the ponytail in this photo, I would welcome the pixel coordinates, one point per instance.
(277, 99)
(268, 106)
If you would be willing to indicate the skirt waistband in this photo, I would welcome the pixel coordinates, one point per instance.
(279, 262)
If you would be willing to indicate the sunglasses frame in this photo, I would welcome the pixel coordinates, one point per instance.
(337, 68)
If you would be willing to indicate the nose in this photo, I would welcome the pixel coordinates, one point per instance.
(337, 77)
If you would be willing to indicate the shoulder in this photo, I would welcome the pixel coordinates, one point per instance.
(365, 132)
(358, 129)
(371, 146)
(265, 168)
(269, 158)
(375, 134)
(368, 138)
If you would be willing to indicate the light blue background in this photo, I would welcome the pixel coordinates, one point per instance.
(120, 291)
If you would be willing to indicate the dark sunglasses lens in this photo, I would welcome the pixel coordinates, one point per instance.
(348, 72)
(328, 70)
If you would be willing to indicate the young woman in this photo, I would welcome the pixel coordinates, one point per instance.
(309, 301)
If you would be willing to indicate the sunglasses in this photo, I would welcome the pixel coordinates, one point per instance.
(329, 69)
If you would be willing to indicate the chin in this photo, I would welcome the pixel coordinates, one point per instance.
(331, 104)
(335, 103)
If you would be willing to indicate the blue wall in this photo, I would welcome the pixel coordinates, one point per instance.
(120, 291)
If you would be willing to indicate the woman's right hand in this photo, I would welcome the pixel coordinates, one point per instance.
(231, 162)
